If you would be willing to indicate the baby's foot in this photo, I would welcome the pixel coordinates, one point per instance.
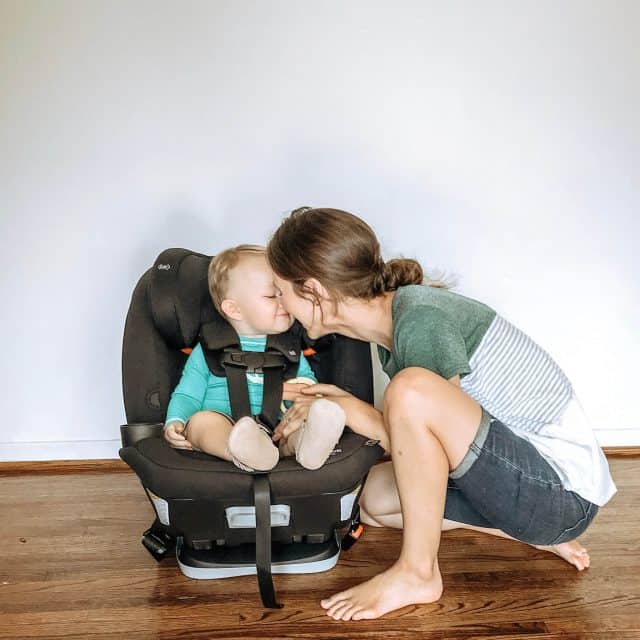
(319, 434)
(388, 591)
(573, 552)
(250, 446)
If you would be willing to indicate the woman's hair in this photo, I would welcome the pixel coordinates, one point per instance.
(342, 252)
(222, 264)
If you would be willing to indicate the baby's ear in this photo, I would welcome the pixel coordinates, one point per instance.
(230, 309)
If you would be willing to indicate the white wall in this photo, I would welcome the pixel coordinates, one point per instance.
(497, 140)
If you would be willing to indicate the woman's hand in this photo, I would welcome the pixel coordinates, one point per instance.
(173, 434)
(362, 417)
(303, 396)
(291, 390)
(293, 418)
(325, 391)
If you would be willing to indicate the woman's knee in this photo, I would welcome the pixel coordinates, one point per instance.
(412, 391)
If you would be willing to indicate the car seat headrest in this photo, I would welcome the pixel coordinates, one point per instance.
(179, 296)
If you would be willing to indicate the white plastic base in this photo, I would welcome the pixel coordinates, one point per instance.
(227, 567)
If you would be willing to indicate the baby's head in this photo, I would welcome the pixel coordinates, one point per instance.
(242, 290)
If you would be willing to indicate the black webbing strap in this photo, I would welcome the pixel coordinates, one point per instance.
(271, 396)
(272, 365)
(238, 392)
(262, 501)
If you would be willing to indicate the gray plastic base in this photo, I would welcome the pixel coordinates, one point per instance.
(228, 562)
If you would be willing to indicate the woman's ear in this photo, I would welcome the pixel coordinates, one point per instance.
(316, 290)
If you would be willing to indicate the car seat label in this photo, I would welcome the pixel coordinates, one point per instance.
(347, 502)
(161, 506)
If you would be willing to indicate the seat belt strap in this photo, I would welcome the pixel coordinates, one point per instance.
(262, 501)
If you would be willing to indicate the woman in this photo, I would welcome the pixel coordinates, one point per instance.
(482, 425)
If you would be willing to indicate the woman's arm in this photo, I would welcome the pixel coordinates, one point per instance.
(364, 419)
(361, 416)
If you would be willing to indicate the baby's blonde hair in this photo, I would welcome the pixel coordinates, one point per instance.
(220, 267)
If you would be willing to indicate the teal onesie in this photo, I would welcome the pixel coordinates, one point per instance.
(201, 390)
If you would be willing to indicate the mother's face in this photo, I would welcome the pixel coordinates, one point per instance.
(301, 308)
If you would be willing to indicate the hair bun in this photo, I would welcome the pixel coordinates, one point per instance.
(400, 272)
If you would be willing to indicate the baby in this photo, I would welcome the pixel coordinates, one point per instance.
(199, 412)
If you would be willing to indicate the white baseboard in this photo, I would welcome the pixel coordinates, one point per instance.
(618, 437)
(68, 450)
(108, 449)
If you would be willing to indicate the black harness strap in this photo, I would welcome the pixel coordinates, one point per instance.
(271, 397)
(262, 500)
(224, 356)
(238, 392)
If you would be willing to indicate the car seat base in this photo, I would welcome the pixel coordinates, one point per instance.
(228, 562)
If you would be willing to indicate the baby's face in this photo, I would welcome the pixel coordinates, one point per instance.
(251, 286)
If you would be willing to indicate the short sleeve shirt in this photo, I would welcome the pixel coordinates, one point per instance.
(435, 329)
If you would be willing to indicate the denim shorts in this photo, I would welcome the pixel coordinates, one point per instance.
(504, 483)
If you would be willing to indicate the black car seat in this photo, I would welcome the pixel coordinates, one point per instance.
(223, 521)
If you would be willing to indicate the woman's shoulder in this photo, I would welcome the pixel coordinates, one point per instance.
(415, 303)
(422, 296)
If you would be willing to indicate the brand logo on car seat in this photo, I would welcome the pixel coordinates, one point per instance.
(164, 267)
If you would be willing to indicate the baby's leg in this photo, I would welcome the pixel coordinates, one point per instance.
(251, 447)
(245, 443)
(208, 431)
(314, 441)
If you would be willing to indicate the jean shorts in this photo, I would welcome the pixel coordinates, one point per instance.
(504, 483)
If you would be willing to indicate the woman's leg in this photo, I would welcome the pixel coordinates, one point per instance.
(431, 424)
(380, 507)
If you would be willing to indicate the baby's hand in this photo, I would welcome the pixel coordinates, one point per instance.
(173, 434)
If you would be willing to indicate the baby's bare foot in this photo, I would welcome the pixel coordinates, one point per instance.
(573, 552)
(388, 591)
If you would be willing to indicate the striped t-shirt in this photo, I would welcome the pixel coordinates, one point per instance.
(506, 372)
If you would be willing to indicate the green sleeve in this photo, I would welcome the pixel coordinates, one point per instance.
(305, 370)
(428, 337)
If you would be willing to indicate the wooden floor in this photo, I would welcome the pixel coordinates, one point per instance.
(71, 566)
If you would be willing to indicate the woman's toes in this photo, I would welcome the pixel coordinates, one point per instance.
(349, 613)
(364, 614)
(337, 611)
(327, 603)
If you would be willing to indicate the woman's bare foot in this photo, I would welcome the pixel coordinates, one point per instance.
(393, 589)
(573, 552)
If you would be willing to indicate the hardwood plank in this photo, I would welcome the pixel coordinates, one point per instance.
(71, 566)
(115, 466)
(62, 466)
